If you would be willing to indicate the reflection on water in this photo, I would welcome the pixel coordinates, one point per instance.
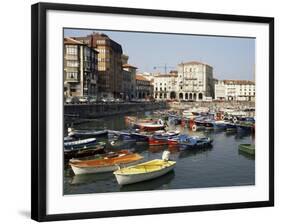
(219, 165)
(159, 183)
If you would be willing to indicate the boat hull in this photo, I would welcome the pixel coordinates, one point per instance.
(124, 179)
(102, 169)
(156, 142)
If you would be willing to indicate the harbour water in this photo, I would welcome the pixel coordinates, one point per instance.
(218, 166)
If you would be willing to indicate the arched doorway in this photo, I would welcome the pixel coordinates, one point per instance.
(156, 96)
(165, 95)
(186, 96)
(139, 95)
(173, 95)
(181, 96)
(200, 96)
(190, 96)
(160, 96)
(194, 96)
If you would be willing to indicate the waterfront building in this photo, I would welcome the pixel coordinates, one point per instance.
(109, 63)
(143, 87)
(80, 69)
(129, 81)
(195, 81)
(238, 90)
(165, 86)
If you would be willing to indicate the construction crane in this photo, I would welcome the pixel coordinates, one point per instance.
(165, 67)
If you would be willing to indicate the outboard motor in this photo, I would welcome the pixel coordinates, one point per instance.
(166, 155)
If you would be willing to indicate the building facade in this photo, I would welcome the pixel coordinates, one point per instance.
(109, 63)
(143, 87)
(195, 81)
(237, 90)
(80, 69)
(165, 86)
(129, 82)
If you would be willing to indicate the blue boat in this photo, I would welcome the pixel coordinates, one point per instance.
(230, 126)
(194, 142)
(133, 136)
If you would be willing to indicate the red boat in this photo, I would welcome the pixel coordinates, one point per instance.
(173, 142)
(153, 141)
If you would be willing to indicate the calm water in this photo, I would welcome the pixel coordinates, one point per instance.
(221, 165)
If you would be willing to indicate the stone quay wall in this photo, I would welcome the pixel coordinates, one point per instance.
(212, 104)
(109, 109)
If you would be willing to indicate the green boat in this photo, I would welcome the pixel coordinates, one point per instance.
(247, 148)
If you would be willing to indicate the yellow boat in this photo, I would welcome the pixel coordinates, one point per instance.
(145, 171)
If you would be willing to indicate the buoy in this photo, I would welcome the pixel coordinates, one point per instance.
(235, 119)
(194, 127)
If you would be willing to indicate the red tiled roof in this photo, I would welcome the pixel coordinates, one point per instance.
(141, 78)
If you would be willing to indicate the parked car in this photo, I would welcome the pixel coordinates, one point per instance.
(72, 100)
(83, 99)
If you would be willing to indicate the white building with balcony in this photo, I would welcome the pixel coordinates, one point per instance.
(195, 81)
(165, 86)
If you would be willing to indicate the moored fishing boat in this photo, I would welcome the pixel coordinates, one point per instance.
(79, 143)
(247, 148)
(108, 163)
(99, 148)
(154, 126)
(231, 127)
(161, 134)
(87, 133)
(156, 142)
(145, 171)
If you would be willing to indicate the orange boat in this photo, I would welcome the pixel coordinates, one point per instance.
(108, 163)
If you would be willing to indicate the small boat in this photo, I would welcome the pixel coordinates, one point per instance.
(154, 126)
(79, 143)
(190, 142)
(247, 148)
(145, 171)
(84, 152)
(161, 134)
(67, 139)
(87, 133)
(230, 126)
(156, 142)
(133, 136)
(219, 124)
(188, 114)
(108, 163)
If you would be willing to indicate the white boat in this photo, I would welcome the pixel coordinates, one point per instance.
(145, 171)
(106, 164)
(79, 143)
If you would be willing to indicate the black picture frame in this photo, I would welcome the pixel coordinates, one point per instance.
(39, 114)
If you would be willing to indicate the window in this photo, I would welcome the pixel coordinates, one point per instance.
(72, 63)
(71, 75)
(71, 50)
(100, 41)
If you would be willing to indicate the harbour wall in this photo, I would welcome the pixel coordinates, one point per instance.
(98, 110)
(212, 105)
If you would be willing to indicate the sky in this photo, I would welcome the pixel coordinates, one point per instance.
(230, 57)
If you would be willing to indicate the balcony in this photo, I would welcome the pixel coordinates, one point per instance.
(71, 57)
(72, 80)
